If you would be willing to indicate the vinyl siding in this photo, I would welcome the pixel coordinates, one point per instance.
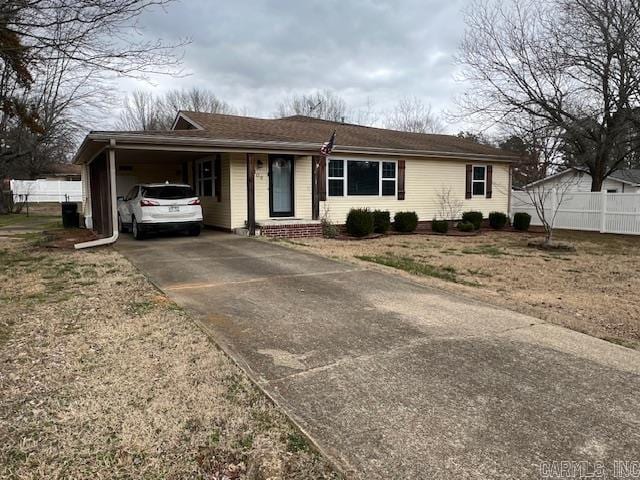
(424, 179)
(238, 182)
(238, 169)
(218, 213)
(145, 173)
(302, 191)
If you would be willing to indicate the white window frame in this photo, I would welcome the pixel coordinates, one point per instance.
(199, 180)
(345, 179)
(483, 181)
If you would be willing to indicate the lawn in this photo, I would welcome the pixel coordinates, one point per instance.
(104, 377)
(593, 290)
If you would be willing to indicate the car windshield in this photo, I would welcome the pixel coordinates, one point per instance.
(168, 192)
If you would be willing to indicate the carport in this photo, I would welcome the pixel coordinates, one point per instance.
(112, 162)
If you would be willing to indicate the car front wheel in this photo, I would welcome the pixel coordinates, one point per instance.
(137, 233)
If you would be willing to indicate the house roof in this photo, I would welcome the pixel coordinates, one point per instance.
(629, 176)
(62, 169)
(299, 128)
(300, 134)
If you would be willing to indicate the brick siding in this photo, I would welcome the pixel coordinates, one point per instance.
(292, 231)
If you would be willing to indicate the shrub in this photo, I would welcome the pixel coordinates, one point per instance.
(381, 221)
(497, 220)
(329, 230)
(405, 221)
(440, 226)
(466, 227)
(359, 222)
(474, 218)
(521, 221)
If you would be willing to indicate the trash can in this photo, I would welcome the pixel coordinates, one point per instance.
(70, 216)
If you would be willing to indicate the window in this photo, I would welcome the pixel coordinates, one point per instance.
(336, 178)
(361, 177)
(479, 180)
(168, 192)
(205, 180)
(612, 190)
(388, 178)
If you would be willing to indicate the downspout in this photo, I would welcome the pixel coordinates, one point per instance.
(114, 204)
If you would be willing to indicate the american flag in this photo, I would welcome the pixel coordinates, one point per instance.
(327, 147)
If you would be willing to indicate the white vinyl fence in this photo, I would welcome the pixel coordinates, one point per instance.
(37, 191)
(593, 211)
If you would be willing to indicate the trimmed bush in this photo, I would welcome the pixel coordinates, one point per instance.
(440, 226)
(521, 221)
(497, 220)
(359, 222)
(474, 218)
(466, 227)
(405, 222)
(381, 221)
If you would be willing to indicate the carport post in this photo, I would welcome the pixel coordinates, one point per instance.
(251, 194)
(111, 166)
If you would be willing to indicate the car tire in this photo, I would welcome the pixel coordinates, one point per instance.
(135, 228)
(194, 231)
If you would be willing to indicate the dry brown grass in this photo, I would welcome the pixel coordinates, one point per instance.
(103, 377)
(593, 290)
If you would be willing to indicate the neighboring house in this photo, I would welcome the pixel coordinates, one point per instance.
(269, 172)
(579, 180)
(61, 171)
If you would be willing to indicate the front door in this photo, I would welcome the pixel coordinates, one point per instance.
(281, 185)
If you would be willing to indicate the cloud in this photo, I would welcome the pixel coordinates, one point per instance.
(252, 53)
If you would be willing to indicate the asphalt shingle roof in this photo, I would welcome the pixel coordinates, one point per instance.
(631, 175)
(311, 130)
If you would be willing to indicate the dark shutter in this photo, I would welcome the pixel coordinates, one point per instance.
(468, 181)
(401, 176)
(217, 168)
(322, 179)
(489, 180)
(315, 201)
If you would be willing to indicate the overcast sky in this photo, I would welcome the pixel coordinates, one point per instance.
(253, 53)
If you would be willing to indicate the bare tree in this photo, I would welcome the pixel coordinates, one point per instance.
(449, 204)
(572, 64)
(141, 112)
(324, 104)
(56, 57)
(547, 199)
(412, 115)
(144, 111)
(540, 148)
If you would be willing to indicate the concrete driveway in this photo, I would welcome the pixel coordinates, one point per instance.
(395, 380)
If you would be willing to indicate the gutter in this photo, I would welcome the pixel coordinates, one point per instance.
(258, 146)
(114, 206)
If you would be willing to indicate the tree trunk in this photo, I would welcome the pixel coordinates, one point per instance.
(596, 183)
(548, 238)
(3, 207)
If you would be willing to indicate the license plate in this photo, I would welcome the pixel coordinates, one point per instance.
(174, 209)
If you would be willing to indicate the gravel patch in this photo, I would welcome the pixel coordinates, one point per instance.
(103, 377)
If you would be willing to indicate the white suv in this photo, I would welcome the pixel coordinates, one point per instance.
(160, 207)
